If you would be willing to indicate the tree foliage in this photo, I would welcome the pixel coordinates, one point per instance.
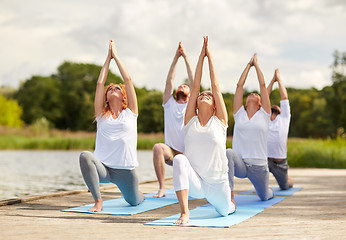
(10, 113)
(66, 101)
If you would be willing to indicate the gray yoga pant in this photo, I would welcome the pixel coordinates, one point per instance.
(279, 170)
(94, 172)
(258, 175)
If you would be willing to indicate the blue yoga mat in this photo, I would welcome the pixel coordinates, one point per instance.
(277, 191)
(170, 194)
(206, 215)
(120, 207)
(253, 202)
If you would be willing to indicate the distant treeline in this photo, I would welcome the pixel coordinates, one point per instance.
(65, 100)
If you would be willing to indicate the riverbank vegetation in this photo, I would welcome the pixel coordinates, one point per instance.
(308, 152)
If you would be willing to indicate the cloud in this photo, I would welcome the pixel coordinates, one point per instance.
(299, 37)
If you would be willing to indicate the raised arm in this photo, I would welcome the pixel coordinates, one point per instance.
(239, 92)
(270, 86)
(221, 111)
(99, 94)
(171, 75)
(265, 101)
(187, 63)
(191, 105)
(130, 89)
(282, 89)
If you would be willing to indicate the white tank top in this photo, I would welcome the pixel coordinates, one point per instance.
(205, 148)
(116, 140)
(174, 123)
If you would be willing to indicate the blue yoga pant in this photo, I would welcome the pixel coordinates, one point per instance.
(258, 175)
(94, 173)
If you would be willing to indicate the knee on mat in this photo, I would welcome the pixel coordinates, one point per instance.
(264, 197)
(134, 202)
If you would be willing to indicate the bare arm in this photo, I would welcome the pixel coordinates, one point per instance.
(282, 89)
(188, 65)
(99, 94)
(191, 105)
(170, 77)
(239, 92)
(265, 101)
(270, 86)
(130, 89)
(221, 111)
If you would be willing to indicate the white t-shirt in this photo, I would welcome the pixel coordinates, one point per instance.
(174, 114)
(278, 132)
(250, 135)
(116, 140)
(205, 148)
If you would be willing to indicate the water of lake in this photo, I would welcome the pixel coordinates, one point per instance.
(26, 173)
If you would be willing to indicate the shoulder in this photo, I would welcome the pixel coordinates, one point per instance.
(264, 113)
(240, 111)
(192, 121)
(170, 101)
(128, 113)
(219, 122)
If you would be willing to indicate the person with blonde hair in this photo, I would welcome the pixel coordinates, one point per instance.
(201, 172)
(248, 156)
(115, 156)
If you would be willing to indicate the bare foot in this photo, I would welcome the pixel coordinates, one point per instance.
(290, 182)
(232, 200)
(98, 207)
(161, 193)
(142, 195)
(184, 218)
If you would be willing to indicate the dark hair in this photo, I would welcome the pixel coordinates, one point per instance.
(276, 109)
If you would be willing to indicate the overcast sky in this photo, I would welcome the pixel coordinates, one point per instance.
(298, 37)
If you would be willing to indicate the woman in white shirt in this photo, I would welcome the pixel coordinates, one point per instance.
(202, 171)
(115, 157)
(248, 158)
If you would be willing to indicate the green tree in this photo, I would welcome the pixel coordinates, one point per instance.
(151, 117)
(10, 113)
(40, 97)
(78, 84)
(336, 97)
(228, 99)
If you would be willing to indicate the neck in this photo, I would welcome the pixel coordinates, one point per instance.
(251, 109)
(115, 108)
(204, 114)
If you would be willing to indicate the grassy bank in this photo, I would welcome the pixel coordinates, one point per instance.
(315, 153)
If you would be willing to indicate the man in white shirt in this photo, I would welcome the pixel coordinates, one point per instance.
(174, 112)
(278, 134)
